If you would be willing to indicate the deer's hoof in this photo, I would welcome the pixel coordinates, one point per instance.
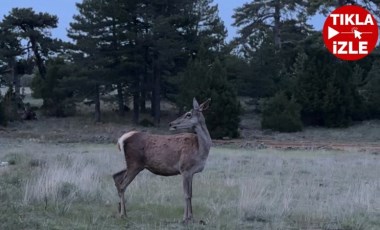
(122, 214)
(202, 222)
(187, 220)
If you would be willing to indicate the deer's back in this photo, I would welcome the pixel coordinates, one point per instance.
(165, 155)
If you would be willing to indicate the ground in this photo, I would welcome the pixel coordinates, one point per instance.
(60, 177)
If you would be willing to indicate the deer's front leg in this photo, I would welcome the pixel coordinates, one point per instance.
(187, 188)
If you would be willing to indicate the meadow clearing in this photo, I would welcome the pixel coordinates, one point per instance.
(66, 185)
(60, 177)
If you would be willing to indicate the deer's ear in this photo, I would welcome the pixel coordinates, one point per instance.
(205, 105)
(195, 104)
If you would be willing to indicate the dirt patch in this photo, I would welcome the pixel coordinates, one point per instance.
(299, 145)
(83, 130)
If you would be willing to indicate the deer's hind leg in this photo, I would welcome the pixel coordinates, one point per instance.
(118, 179)
(122, 180)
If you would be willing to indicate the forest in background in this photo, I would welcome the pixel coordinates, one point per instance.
(147, 52)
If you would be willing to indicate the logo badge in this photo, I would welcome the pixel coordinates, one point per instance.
(350, 32)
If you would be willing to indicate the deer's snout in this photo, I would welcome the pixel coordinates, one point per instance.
(172, 126)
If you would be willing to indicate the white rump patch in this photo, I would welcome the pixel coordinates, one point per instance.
(125, 136)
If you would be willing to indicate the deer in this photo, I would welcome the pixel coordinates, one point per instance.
(182, 154)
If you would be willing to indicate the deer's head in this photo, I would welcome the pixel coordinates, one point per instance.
(192, 118)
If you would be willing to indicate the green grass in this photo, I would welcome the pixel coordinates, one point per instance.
(58, 186)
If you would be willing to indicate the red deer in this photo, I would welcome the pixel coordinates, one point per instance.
(167, 155)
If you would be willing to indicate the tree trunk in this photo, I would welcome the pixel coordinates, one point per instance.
(144, 83)
(143, 93)
(14, 97)
(156, 98)
(152, 102)
(38, 58)
(153, 89)
(276, 29)
(16, 82)
(136, 101)
(97, 104)
(120, 99)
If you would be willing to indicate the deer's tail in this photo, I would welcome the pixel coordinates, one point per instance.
(122, 139)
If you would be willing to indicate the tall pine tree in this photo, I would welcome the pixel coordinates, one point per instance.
(208, 79)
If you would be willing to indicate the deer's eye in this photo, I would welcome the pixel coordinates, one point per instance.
(188, 115)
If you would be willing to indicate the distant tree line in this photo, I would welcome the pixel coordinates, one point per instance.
(176, 49)
(296, 79)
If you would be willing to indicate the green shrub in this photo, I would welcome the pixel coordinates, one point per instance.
(62, 108)
(281, 113)
(58, 99)
(203, 80)
(327, 90)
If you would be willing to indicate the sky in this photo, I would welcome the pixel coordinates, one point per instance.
(65, 9)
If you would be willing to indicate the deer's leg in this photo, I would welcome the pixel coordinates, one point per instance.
(118, 179)
(190, 207)
(122, 183)
(187, 188)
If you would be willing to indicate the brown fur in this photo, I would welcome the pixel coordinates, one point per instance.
(166, 155)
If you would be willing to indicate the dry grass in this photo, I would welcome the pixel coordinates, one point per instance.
(69, 186)
(361, 132)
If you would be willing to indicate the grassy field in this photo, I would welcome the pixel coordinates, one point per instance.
(69, 186)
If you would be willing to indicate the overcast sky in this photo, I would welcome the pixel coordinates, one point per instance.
(65, 9)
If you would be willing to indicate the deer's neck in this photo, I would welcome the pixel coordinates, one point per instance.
(204, 139)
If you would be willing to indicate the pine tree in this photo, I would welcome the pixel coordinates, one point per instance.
(10, 51)
(205, 79)
(325, 6)
(100, 33)
(372, 90)
(223, 118)
(34, 27)
(281, 113)
(257, 19)
(58, 99)
(326, 90)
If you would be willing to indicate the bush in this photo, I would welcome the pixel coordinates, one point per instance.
(62, 108)
(327, 90)
(10, 107)
(203, 80)
(58, 99)
(281, 113)
(223, 116)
